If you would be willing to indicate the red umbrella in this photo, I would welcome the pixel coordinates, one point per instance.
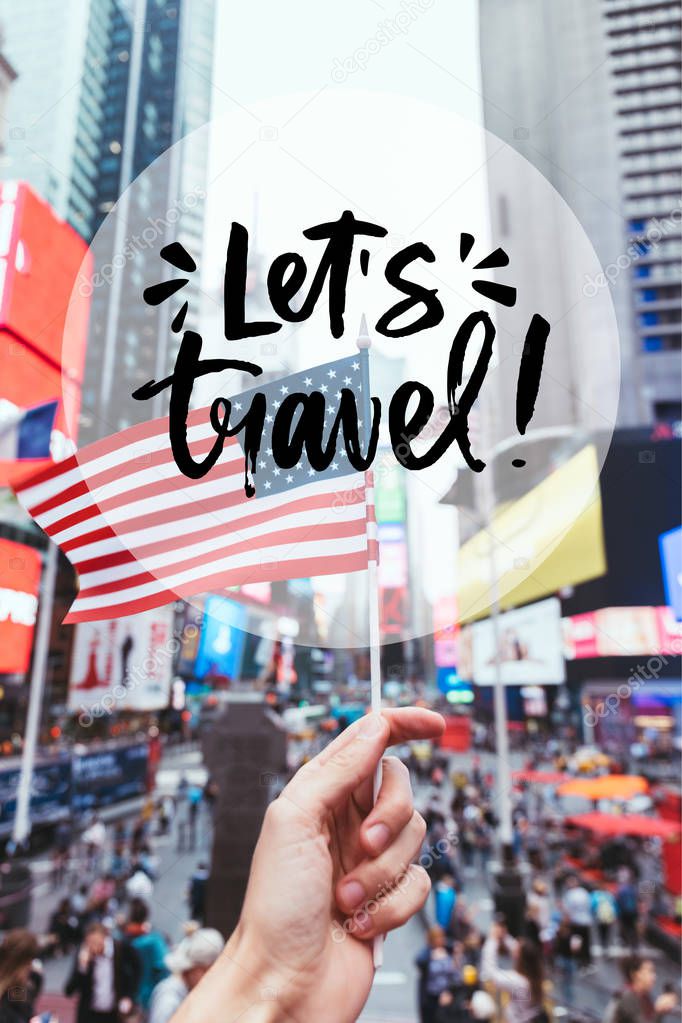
(541, 777)
(626, 824)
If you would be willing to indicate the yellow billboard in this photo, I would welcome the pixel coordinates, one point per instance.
(550, 538)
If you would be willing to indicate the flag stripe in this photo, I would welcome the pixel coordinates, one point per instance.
(299, 569)
(164, 544)
(141, 534)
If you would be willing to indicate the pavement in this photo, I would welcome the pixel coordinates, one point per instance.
(393, 996)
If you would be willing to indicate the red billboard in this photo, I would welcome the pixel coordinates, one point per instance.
(40, 260)
(19, 584)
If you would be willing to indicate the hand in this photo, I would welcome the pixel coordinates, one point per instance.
(665, 1002)
(329, 872)
(83, 958)
(125, 1006)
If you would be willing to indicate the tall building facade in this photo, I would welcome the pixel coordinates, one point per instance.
(106, 87)
(159, 75)
(55, 109)
(589, 93)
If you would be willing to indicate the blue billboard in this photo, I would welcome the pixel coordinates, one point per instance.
(221, 646)
(670, 546)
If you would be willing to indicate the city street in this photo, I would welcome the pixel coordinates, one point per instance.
(393, 996)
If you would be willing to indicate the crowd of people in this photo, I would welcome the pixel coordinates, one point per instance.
(467, 971)
(122, 967)
(510, 970)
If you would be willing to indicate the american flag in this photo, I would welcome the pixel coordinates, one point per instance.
(141, 534)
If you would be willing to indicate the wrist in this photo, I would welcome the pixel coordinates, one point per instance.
(238, 985)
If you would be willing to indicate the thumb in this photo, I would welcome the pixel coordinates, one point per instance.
(341, 768)
(329, 779)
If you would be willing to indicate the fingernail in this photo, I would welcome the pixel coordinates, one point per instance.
(371, 725)
(351, 894)
(378, 836)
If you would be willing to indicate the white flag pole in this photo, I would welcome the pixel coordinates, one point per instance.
(364, 344)
(22, 817)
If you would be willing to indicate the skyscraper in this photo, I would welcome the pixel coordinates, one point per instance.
(59, 51)
(159, 91)
(106, 87)
(590, 94)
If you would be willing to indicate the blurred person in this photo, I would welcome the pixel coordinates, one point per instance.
(563, 948)
(139, 885)
(436, 974)
(445, 898)
(605, 914)
(102, 893)
(196, 895)
(94, 837)
(636, 1003)
(328, 875)
(105, 976)
(187, 963)
(20, 976)
(524, 982)
(151, 950)
(64, 927)
(63, 837)
(577, 906)
(538, 912)
(628, 910)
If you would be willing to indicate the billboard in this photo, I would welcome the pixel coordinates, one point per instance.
(622, 632)
(108, 776)
(530, 563)
(445, 631)
(40, 260)
(392, 568)
(530, 649)
(221, 646)
(670, 547)
(389, 491)
(20, 568)
(125, 663)
(50, 792)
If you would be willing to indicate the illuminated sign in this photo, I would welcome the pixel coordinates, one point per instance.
(546, 540)
(19, 585)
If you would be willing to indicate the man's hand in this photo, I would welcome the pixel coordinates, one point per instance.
(330, 871)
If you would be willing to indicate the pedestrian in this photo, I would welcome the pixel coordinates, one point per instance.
(563, 948)
(94, 838)
(139, 885)
(445, 898)
(63, 837)
(524, 982)
(194, 797)
(604, 914)
(151, 950)
(538, 912)
(105, 976)
(636, 1003)
(64, 927)
(577, 906)
(436, 974)
(196, 895)
(20, 976)
(188, 963)
(626, 905)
